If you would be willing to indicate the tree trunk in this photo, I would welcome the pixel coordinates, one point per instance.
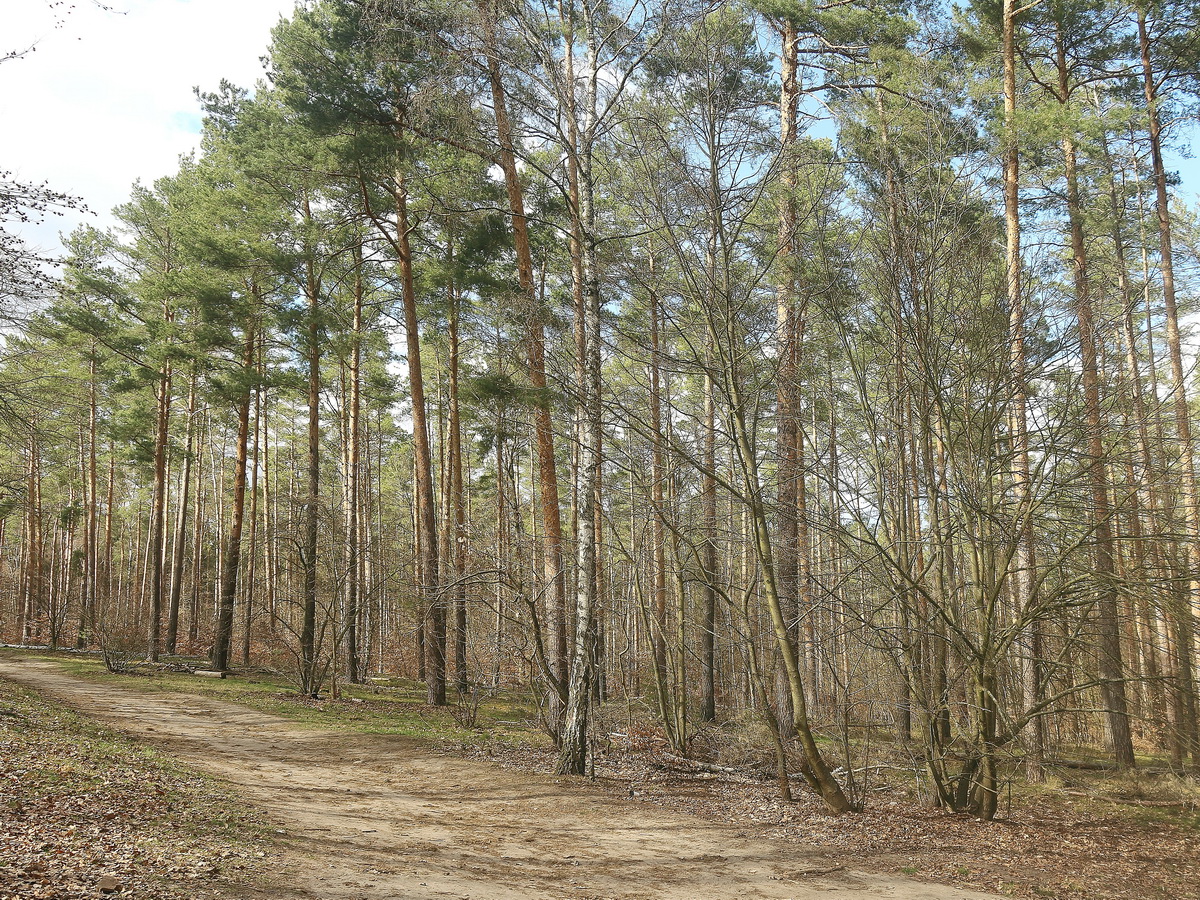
(573, 756)
(708, 554)
(180, 539)
(1183, 428)
(1024, 580)
(658, 636)
(33, 596)
(87, 619)
(158, 512)
(1112, 685)
(818, 773)
(353, 566)
(309, 682)
(433, 603)
(552, 553)
(250, 580)
(229, 576)
(456, 522)
(197, 550)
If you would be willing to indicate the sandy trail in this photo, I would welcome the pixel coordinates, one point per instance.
(379, 817)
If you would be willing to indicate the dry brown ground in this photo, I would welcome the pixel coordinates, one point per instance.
(1070, 844)
(371, 816)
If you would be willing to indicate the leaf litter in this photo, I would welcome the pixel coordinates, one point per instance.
(86, 812)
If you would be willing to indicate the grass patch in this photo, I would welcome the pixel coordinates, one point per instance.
(1145, 798)
(385, 706)
(86, 810)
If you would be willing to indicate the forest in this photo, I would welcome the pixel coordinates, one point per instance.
(822, 365)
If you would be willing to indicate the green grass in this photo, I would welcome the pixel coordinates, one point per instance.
(392, 706)
(1140, 798)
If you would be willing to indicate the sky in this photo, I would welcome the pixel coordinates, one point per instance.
(107, 97)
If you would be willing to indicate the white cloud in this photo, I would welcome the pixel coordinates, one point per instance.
(107, 97)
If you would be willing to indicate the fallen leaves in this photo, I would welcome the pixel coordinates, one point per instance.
(87, 813)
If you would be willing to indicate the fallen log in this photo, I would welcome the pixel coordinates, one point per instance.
(703, 766)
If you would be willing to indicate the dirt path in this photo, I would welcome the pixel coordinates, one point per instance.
(371, 817)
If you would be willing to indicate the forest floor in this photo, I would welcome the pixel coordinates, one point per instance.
(335, 813)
